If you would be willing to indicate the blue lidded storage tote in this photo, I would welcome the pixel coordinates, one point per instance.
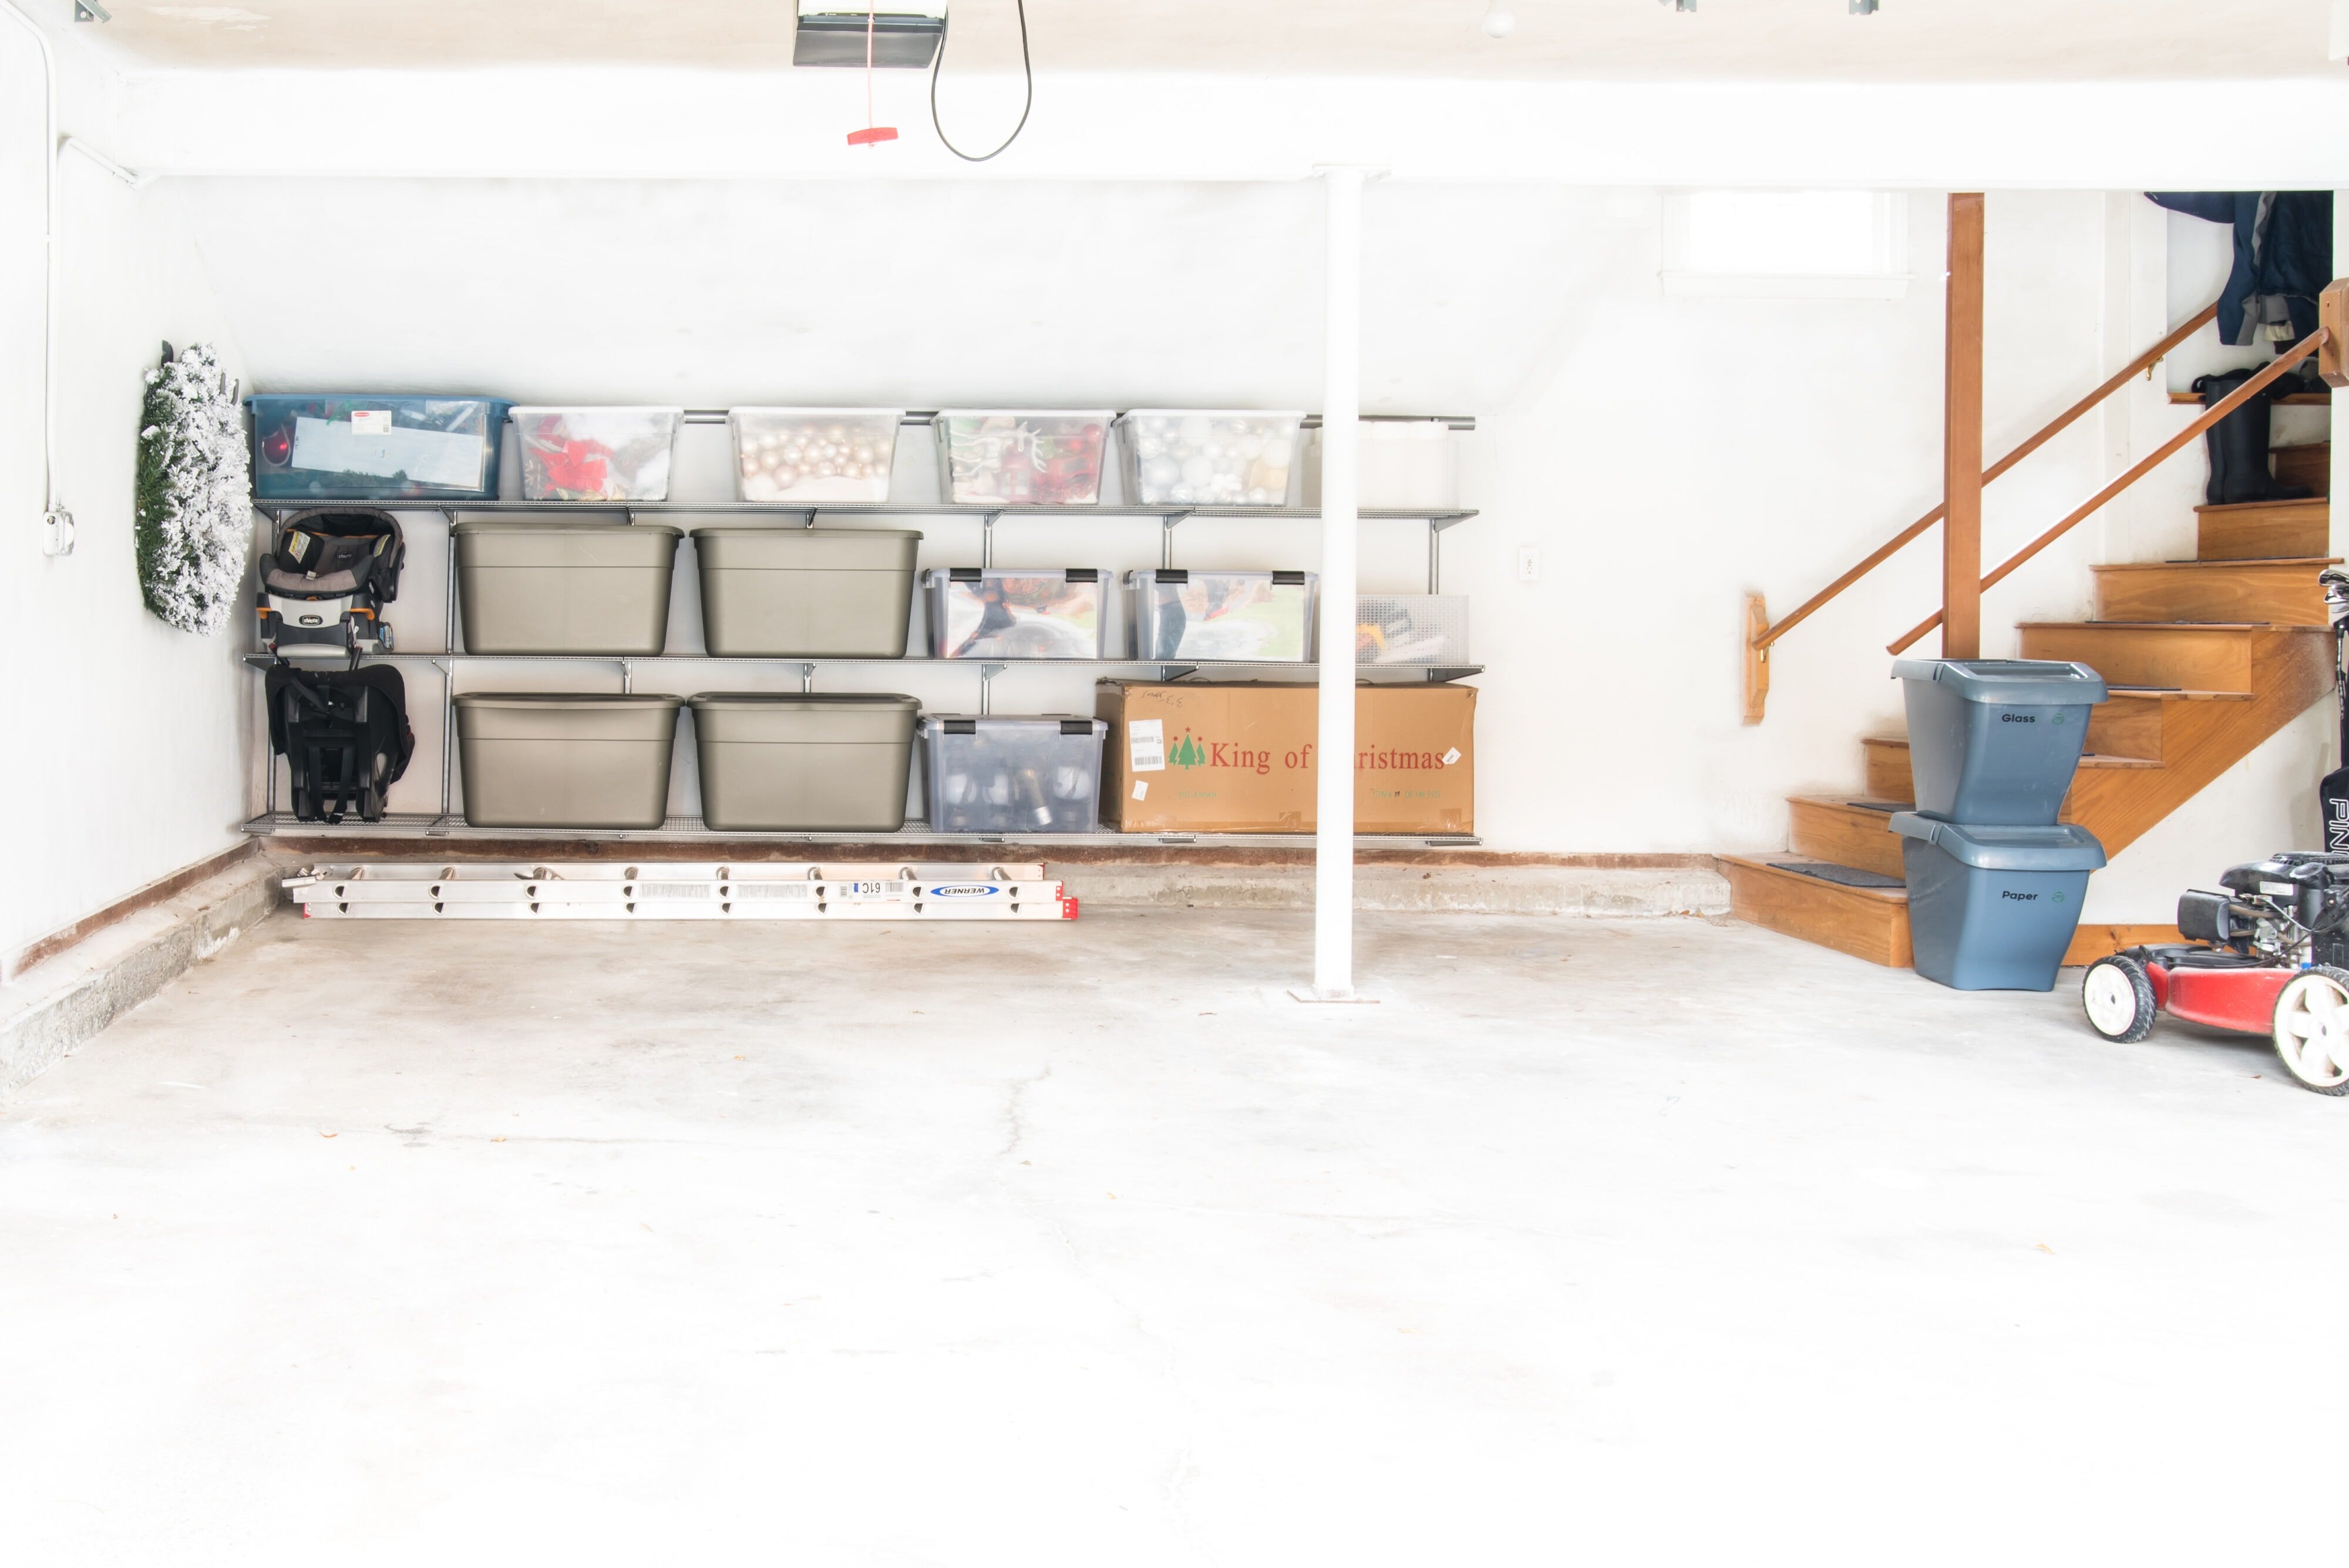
(364, 446)
(1995, 740)
(1990, 908)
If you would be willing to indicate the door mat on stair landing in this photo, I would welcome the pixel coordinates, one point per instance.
(1841, 876)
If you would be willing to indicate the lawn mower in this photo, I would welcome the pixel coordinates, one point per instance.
(2270, 955)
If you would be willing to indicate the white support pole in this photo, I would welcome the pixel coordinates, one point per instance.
(1341, 405)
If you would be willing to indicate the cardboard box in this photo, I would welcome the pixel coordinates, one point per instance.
(1189, 758)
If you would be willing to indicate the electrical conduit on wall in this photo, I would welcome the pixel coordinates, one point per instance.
(56, 524)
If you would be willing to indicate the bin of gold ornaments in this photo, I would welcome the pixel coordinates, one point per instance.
(1208, 457)
(814, 454)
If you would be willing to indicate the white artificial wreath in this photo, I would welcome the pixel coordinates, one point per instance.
(195, 492)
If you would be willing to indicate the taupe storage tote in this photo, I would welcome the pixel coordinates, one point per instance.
(564, 587)
(571, 759)
(806, 593)
(813, 762)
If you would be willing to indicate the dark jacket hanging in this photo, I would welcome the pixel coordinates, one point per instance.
(2283, 256)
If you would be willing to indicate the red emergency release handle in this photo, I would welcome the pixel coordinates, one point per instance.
(872, 135)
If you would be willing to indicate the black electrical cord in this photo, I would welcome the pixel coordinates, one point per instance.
(1025, 70)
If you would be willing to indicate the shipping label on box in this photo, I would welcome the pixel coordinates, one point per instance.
(1184, 758)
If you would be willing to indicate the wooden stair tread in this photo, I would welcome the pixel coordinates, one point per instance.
(2320, 562)
(1869, 923)
(2154, 625)
(1773, 865)
(2177, 694)
(2087, 760)
(2308, 503)
(2149, 693)
(2289, 400)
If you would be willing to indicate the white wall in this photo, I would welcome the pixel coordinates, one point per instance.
(123, 753)
(1666, 453)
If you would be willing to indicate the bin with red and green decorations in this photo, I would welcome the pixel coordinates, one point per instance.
(595, 453)
(1021, 457)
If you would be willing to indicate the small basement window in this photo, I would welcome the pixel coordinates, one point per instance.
(1786, 245)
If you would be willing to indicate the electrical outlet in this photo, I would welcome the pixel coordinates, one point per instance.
(1529, 569)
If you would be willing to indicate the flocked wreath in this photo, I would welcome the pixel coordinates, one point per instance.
(195, 492)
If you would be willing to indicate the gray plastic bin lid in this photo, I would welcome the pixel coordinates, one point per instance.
(800, 701)
(2066, 847)
(2020, 682)
(1065, 723)
(516, 525)
(557, 699)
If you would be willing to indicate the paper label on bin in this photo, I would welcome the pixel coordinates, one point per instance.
(1141, 789)
(1146, 745)
(1451, 756)
(425, 457)
(370, 421)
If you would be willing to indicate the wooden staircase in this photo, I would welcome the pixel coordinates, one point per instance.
(2206, 658)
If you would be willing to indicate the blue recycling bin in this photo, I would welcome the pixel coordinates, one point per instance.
(1995, 741)
(1993, 907)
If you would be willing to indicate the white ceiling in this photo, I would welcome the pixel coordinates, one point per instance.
(1915, 40)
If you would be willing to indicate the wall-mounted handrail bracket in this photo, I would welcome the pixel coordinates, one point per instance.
(1757, 659)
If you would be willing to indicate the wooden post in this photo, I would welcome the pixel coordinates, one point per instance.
(1961, 433)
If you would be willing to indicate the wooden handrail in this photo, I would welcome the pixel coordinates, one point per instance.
(2046, 433)
(2169, 449)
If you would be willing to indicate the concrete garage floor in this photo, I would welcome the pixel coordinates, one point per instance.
(1661, 1241)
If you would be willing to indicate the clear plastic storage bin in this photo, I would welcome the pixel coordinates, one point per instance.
(595, 455)
(359, 446)
(1410, 629)
(1214, 457)
(1021, 457)
(996, 774)
(814, 454)
(1236, 615)
(1017, 612)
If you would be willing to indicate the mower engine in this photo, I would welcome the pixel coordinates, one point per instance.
(2291, 909)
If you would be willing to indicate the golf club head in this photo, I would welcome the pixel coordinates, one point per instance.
(2336, 595)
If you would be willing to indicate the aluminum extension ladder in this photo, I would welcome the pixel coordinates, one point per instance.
(669, 890)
